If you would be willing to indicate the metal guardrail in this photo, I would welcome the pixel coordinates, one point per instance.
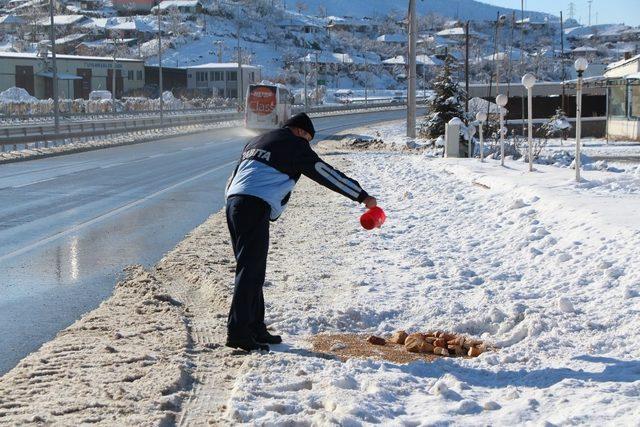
(45, 134)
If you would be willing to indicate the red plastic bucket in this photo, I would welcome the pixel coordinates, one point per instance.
(373, 218)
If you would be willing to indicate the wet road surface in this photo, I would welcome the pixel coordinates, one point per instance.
(70, 224)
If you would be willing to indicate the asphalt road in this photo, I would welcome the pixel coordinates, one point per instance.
(70, 224)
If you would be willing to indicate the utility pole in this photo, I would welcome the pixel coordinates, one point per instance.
(54, 70)
(564, 76)
(590, 1)
(466, 67)
(160, 88)
(522, 59)
(411, 93)
(306, 100)
(240, 85)
(317, 78)
(114, 38)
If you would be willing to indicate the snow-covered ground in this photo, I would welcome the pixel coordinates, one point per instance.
(544, 268)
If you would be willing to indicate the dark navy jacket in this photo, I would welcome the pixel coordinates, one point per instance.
(272, 163)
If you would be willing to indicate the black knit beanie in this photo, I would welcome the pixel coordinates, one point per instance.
(301, 121)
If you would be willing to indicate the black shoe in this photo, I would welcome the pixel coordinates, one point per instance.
(266, 337)
(246, 344)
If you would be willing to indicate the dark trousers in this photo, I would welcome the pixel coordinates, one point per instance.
(248, 221)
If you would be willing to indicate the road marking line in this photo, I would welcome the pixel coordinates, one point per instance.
(33, 183)
(109, 214)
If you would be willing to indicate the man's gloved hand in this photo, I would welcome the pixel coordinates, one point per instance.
(370, 202)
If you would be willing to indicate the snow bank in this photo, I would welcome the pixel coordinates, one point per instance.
(124, 363)
(16, 95)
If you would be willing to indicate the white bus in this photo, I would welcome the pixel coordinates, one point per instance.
(268, 106)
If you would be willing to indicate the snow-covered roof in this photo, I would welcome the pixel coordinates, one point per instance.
(222, 65)
(622, 62)
(516, 55)
(393, 38)
(584, 49)
(334, 58)
(70, 57)
(106, 42)
(28, 4)
(420, 59)
(11, 20)
(293, 19)
(70, 38)
(458, 32)
(167, 4)
(349, 21)
(63, 20)
(123, 23)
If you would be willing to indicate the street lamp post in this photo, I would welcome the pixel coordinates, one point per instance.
(411, 93)
(528, 81)
(502, 100)
(160, 88)
(54, 70)
(580, 65)
(481, 117)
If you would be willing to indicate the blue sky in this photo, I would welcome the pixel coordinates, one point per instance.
(609, 11)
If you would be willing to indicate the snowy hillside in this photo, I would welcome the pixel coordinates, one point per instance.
(460, 9)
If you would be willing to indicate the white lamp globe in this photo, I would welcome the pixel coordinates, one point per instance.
(481, 116)
(455, 121)
(528, 80)
(502, 100)
(581, 64)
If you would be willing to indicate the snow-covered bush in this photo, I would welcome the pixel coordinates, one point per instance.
(557, 125)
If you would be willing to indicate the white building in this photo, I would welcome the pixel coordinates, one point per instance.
(221, 79)
(623, 111)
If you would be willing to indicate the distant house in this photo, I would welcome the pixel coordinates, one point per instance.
(301, 24)
(397, 39)
(459, 34)
(221, 79)
(528, 23)
(63, 23)
(132, 6)
(11, 23)
(183, 6)
(347, 23)
(586, 51)
(424, 63)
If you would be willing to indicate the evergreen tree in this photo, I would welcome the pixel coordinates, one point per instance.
(446, 104)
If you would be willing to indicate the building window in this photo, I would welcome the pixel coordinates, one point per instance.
(139, 75)
(232, 93)
(634, 101)
(130, 75)
(618, 101)
(232, 76)
(216, 76)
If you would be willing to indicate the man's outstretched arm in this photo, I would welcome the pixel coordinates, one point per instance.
(312, 166)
